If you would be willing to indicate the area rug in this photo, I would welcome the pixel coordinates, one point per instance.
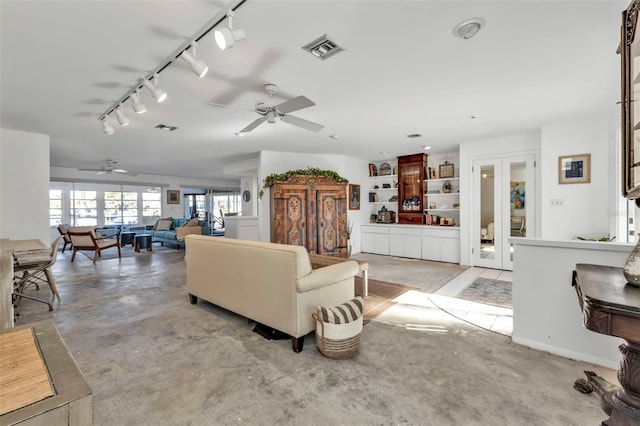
(380, 297)
(489, 292)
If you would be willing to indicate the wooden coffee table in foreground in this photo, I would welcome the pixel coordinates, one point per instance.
(319, 260)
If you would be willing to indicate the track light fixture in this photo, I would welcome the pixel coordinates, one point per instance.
(198, 67)
(138, 106)
(227, 37)
(122, 119)
(106, 127)
(157, 93)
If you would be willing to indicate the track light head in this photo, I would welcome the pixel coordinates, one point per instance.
(122, 119)
(138, 106)
(157, 93)
(106, 127)
(227, 37)
(198, 67)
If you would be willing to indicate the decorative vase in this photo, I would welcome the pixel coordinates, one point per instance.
(631, 268)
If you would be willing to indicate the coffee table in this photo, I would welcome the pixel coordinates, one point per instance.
(320, 260)
(143, 241)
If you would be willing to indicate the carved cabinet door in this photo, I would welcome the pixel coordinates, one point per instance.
(331, 220)
(289, 215)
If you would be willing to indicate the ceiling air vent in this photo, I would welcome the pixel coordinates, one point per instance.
(414, 135)
(323, 47)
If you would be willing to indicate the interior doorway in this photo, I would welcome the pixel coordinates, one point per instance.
(503, 207)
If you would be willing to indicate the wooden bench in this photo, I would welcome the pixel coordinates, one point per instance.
(318, 261)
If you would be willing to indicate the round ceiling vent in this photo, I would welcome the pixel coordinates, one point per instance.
(468, 28)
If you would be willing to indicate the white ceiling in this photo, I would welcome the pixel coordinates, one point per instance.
(64, 63)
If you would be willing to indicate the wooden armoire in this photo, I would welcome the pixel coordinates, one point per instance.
(310, 211)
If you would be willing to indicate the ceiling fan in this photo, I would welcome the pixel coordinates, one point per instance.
(109, 168)
(270, 112)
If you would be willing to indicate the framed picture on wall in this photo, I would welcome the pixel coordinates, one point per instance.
(173, 196)
(574, 169)
(354, 197)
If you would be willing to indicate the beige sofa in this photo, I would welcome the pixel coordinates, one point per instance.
(272, 284)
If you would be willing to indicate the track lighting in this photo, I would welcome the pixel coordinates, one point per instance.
(226, 37)
(106, 127)
(157, 93)
(198, 67)
(138, 106)
(122, 119)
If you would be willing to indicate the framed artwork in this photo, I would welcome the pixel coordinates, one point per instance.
(354, 197)
(173, 196)
(446, 170)
(373, 170)
(574, 169)
(516, 195)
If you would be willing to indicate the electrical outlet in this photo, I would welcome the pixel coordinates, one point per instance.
(557, 202)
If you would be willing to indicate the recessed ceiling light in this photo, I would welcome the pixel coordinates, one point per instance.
(468, 28)
(334, 136)
(426, 147)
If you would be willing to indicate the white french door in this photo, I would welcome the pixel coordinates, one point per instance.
(503, 207)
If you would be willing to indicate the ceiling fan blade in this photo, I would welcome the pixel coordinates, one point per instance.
(119, 171)
(305, 124)
(255, 123)
(90, 170)
(294, 104)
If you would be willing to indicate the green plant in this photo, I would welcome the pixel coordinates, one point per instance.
(309, 171)
(602, 239)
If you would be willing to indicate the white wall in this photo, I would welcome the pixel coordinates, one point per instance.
(354, 169)
(587, 209)
(24, 185)
(167, 182)
(546, 310)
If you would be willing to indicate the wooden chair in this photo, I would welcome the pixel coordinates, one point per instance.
(63, 229)
(85, 238)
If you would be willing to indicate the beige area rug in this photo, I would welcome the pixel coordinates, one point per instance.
(23, 375)
(380, 297)
(426, 275)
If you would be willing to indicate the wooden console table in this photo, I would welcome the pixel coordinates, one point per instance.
(610, 306)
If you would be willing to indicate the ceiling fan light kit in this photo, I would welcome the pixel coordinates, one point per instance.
(271, 112)
(225, 37)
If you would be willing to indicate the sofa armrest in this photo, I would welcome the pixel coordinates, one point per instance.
(327, 275)
(183, 231)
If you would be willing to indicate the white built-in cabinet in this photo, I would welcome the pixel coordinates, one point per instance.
(440, 244)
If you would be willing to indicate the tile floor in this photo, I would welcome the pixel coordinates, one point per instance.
(493, 318)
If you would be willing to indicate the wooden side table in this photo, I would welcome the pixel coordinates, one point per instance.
(611, 306)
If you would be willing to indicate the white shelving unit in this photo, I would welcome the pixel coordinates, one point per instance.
(378, 185)
(440, 203)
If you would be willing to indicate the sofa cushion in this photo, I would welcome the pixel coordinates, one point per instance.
(165, 235)
(192, 222)
(163, 225)
(155, 225)
(342, 314)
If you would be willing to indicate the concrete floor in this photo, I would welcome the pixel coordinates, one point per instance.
(152, 358)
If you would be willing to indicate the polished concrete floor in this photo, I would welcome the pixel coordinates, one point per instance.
(151, 358)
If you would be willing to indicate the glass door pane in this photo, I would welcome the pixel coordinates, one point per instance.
(487, 229)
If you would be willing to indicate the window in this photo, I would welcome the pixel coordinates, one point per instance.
(151, 205)
(95, 204)
(84, 207)
(55, 207)
(120, 208)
